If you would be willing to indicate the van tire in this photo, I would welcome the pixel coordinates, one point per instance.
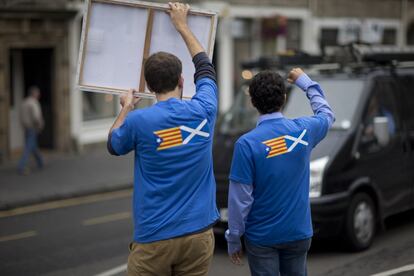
(360, 224)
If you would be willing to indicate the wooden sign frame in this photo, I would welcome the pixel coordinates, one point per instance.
(151, 7)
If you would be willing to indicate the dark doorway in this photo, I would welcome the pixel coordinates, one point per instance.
(410, 34)
(37, 70)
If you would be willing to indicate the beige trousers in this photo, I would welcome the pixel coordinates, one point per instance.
(189, 255)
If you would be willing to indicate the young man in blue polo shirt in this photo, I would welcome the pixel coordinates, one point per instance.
(174, 188)
(269, 178)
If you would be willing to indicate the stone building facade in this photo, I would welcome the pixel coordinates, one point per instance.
(39, 41)
(37, 47)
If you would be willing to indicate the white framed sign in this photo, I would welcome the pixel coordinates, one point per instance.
(119, 35)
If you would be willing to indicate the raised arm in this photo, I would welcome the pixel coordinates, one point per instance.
(205, 74)
(178, 15)
(202, 63)
(314, 93)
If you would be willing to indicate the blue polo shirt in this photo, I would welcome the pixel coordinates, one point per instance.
(274, 158)
(174, 185)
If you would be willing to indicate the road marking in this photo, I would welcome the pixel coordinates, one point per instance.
(396, 270)
(113, 271)
(19, 236)
(66, 203)
(107, 218)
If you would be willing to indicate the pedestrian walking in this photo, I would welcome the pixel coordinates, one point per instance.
(174, 201)
(33, 123)
(269, 178)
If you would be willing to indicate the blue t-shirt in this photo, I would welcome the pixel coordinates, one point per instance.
(174, 185)
(274, 158)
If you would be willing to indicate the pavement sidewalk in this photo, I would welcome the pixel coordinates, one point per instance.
(65, 176)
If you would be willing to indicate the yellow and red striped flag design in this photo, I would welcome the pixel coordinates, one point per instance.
(276, 146)
(169, 138)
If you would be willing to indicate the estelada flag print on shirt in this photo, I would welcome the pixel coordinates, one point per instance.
(284, 144)
(180, 135)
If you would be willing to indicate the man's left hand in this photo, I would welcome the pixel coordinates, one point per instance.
(129, 100)
(236, 257)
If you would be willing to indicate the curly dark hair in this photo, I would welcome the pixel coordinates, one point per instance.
(267, 91)
(162, 72)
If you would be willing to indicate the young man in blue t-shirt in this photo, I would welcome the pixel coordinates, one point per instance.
(269, 178)
(174, 201)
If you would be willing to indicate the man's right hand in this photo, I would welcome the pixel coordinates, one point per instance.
(234, 248)
(294, 74)
(178, 13)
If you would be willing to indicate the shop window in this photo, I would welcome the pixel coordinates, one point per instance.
(329, 36)
(99, 106)
(389, 36)
(294, 30)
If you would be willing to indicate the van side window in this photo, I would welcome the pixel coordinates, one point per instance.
(407, 83)
(380, 119)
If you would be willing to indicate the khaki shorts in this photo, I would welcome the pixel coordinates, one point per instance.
(188, 255)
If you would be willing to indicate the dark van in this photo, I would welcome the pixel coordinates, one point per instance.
(363, 171)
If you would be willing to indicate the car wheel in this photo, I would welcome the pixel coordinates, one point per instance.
(360, 223)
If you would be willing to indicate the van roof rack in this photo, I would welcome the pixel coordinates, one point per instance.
(281, 61)
(360, 56)
(382, 55)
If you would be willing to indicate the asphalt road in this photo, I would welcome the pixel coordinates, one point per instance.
(91, 236)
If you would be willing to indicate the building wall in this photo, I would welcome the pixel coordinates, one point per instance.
(409, 8)
(279, 3)
(331, 8)
(357, 8)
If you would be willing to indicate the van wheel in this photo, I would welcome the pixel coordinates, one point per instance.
(360, 223)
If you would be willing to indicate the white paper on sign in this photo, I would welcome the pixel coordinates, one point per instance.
(115, 46)
(95, 41)
(165, 38)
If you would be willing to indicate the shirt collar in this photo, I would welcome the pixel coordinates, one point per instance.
(269, 116)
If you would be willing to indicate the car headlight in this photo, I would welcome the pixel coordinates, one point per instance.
(317, 167)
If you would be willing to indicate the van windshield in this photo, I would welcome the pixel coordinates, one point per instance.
(342, 95)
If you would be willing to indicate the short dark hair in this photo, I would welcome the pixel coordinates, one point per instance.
(33, 90)
(267, 91)
(162, 72)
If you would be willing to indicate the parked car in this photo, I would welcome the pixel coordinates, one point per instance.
(363, 171)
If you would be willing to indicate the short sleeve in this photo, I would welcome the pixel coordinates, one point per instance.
(317, 127)
(242, 166)
(121, 139)
(206, 95)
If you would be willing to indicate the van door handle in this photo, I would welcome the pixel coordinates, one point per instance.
(405, 146)
(410, 141)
